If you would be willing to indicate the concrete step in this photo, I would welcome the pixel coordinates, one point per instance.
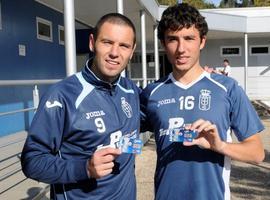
(13, 183)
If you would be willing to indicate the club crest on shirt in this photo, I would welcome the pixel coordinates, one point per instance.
(205, 100)
(126, 107)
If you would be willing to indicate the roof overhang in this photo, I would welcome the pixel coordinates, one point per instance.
(222, 23)
(234, 22)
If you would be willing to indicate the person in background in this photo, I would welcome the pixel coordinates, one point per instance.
(192, 112)
(73, 141)
(226, 67)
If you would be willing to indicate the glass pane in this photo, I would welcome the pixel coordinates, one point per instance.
(62, 35)
(231, 51)
(259, 50)
(44, 30)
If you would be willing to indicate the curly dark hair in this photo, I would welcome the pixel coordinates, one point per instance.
(181, 16)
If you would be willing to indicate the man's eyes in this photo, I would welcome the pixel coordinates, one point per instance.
(125, 46)
(107, 42)
(176, 39)
(189, 38)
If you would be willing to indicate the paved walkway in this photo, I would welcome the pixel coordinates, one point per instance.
(247, 181)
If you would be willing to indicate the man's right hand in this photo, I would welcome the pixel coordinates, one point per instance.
(101, 162)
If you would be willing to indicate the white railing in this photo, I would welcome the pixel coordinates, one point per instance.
(139, 81)
(4, 83)
(10, 166)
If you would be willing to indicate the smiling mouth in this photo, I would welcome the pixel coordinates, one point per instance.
(112, 62)
(182, 60)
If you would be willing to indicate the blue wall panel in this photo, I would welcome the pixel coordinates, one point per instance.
(43, 60)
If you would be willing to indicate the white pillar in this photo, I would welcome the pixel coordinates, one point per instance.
(157, 75)
(120, 7)
(143, 48)
(70, 45)
(246, 63)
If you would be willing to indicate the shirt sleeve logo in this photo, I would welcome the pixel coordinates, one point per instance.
(54, 104)
(126, 107)
(205, 100)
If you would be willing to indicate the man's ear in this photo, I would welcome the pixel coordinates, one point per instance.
(91, 43)
(162, 42)
(203, 40)
(132, 52)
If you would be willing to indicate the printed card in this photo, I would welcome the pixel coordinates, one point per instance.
(131, 145)
(182, 135)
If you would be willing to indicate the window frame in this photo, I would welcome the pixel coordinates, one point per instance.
(230, 55)
(61, 28)
(258, 54)
(48, 23)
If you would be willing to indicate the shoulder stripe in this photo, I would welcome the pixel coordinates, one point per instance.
(227, 170)
(87, 88)
(125, 90)
(214, 81)
(159, 85)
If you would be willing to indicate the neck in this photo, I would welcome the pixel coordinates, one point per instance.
(100, 76)
(187, 76)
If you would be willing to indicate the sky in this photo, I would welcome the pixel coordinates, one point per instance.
(216, 2)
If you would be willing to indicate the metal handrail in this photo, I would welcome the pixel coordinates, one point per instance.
(17, 111)
(28, 82)
(35, 92)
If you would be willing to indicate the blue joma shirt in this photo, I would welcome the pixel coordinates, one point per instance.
(75, 117)
(194, 173)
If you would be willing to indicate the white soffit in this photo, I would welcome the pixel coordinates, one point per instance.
(245, 20)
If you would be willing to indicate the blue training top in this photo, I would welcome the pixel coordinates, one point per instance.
(194, 173)
(74, 117)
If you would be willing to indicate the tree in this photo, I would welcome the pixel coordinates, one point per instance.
(246, 3)
(167, 2)
(199, 4)
(259, 3)
(228, 4)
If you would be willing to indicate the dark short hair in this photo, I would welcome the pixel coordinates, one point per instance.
(114, 18)
(181, 16)
(226, 60)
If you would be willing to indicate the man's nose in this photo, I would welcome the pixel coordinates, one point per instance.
(181, 46)
(114, 51)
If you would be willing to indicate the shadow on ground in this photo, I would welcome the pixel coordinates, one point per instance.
(251, 181)
(35, 193)
(151, 144)
(267, 157)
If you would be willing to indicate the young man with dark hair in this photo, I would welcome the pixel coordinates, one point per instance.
(192, 112)
(73, 142)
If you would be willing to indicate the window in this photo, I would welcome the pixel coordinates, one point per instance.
(227, 51)
(136, 58)
(61, 34)
(258, 50)
(44, 29)
(150, 59)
